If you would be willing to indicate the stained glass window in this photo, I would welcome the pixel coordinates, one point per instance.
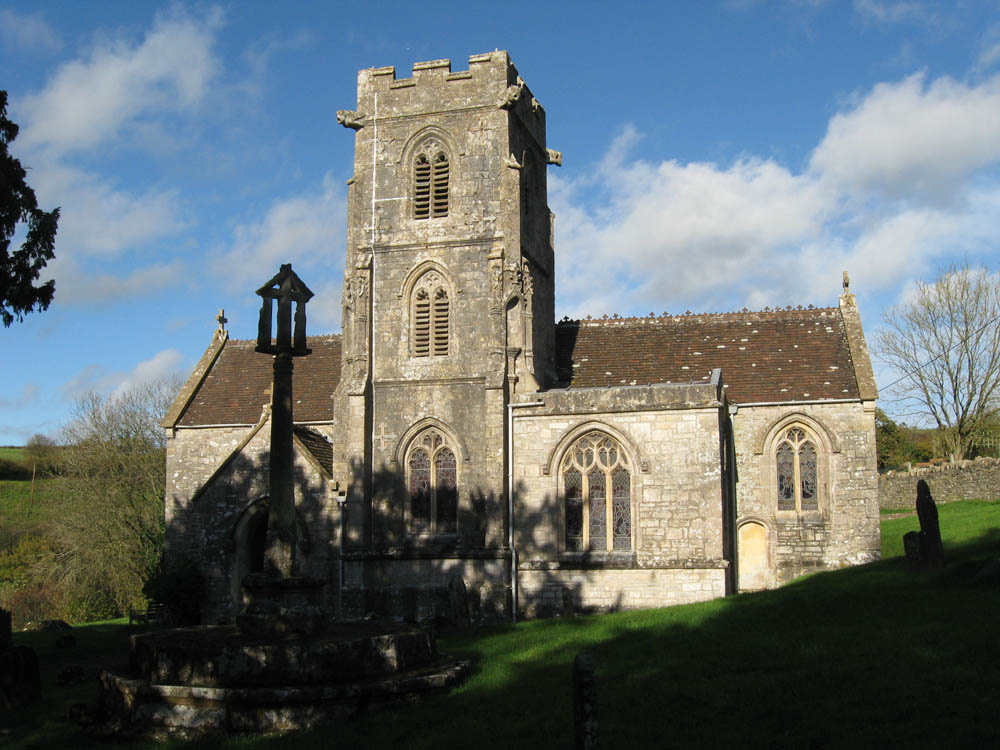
(807, 476)
(420, 491)
(447, 491)
(433, 485)
(786, 477)
(573, 486)
(797, 472)
(621, 500)
(598, 486)
(597, 492)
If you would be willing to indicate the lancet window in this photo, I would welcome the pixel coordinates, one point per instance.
(429, 312)
(431, 175)
(432, 481)
(797, 471)
(597, 492)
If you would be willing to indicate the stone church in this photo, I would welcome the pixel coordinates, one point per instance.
(455, 444)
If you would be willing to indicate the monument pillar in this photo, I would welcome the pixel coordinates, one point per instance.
(281, 601)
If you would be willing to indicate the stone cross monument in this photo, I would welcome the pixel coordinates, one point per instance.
(285, 288)
(281, 600)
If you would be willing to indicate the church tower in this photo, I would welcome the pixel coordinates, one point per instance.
(448, 301)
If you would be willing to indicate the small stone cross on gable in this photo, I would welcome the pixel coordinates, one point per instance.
(221, 319)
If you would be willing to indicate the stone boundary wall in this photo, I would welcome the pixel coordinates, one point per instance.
(963, 480)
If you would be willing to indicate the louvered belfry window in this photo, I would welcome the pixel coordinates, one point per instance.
(430, 186)
(430, 315)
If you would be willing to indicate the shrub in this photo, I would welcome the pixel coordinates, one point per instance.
(13, 469)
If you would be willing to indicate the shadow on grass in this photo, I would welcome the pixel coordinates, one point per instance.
(861, 657)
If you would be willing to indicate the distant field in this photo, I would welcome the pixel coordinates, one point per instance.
(21, 511)
(11, 453)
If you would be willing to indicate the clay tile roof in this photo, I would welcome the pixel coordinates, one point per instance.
(320, 448)
(237, 386)
(774, 355)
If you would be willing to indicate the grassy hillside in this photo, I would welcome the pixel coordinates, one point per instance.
(865, 657)
(22, 511)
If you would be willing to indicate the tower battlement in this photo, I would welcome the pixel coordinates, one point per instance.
(491, 67)
(490, 81)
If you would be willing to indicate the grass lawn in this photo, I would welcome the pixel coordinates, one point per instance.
(863, 657)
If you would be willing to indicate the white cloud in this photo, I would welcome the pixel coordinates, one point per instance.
(27, 397)
(669, 223)
(325, 308)
(305, 230)
(28, 33)
(989, 56)
(902, 11)
(912, 138)
(989, 49)
(904, 179)
(97, 219)
(74, 286)
(95, 379)
(94, 101)
(160, 367)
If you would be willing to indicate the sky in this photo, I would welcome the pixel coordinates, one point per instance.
(716, 156)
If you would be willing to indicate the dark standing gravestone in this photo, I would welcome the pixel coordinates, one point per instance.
(20, 680)
(923, 549)
(931, 549)
(584, 703)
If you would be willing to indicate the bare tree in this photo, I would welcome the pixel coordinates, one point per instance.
(945, 344)
(113, 463)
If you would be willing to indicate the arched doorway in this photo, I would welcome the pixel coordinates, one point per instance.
(249, 545)
(753, 559)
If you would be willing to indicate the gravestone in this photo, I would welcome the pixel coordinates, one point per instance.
(585, 720)
(20, 682)
(931, 549)
(923, 549)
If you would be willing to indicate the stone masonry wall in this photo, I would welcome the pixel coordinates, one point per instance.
(964, 480)
(677, 505)
(211, 528)
(543, 593)
(845, 529)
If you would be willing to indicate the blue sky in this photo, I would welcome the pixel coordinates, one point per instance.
(716, 156)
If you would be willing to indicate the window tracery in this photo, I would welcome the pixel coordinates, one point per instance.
(432, 482)
(797, 471)
(597, 492)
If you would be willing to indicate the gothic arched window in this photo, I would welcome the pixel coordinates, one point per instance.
(429, 313)
(796, 464)
(430, 185)
(597, 492)
(432, 481)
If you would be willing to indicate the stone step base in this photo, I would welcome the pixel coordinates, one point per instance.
(137, 707)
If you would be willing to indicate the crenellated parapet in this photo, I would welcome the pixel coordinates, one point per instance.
(491, 81)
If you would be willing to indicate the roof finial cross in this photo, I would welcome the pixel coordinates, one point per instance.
(221, 319)
(847, 282)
